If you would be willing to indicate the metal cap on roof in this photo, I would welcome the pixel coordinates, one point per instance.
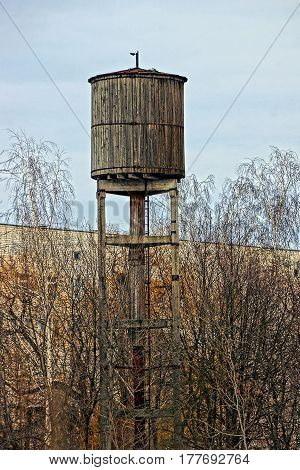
(134, 72)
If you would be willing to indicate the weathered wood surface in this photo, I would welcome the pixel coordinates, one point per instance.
(138, 126)
(144, 413)
(143, 323)
(176, 319)
(104, 360)
(126, 186)
(135, 240)
(136, 261)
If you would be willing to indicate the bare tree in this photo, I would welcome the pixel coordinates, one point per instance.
(239, 311)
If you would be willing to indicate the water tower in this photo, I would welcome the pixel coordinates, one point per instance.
(138, 151)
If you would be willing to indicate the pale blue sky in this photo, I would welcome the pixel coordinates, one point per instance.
(216, 44)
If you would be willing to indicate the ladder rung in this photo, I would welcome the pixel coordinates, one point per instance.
(169, 366)
(143, 413)
(143, 324)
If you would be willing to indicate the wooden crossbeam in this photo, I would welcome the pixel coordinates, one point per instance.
(143, 323)
(125, 186)
(131, 240)
(143, 413)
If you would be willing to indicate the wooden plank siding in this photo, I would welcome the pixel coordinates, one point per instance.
(138, 125)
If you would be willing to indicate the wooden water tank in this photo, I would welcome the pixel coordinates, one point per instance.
(137, 124)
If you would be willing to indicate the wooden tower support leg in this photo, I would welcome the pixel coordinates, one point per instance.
(176, 321)
(137, 311)
(104, 425)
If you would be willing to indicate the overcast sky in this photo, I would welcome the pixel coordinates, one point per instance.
(216, 44)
